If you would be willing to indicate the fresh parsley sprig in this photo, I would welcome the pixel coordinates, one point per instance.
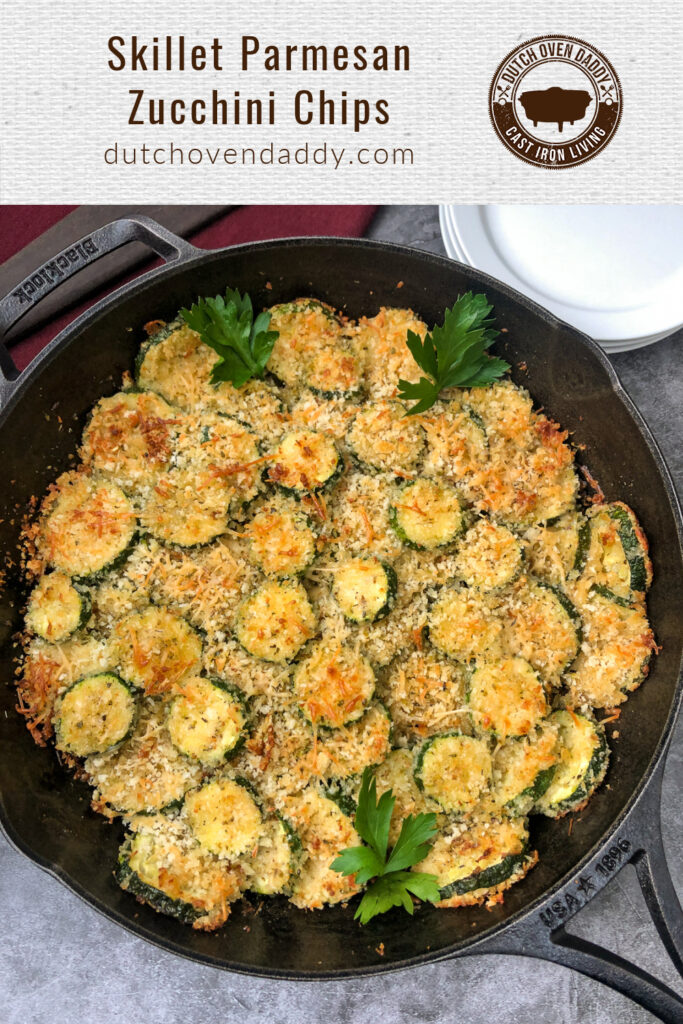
(393, 883)
(227, 325)
(454, 355)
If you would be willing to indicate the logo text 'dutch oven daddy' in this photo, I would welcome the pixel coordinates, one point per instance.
(555, 101)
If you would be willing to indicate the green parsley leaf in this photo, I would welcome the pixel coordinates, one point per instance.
(393, 884)
(226, 324)
(454, 354)
(393, 890)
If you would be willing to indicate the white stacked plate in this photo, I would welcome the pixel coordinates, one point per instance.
(613, 272)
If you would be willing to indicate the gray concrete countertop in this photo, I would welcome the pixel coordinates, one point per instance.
(61, 962)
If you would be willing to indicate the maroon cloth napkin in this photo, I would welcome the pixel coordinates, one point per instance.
(22, 224)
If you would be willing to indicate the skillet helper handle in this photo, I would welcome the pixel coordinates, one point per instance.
(543, 933)
(171, 248)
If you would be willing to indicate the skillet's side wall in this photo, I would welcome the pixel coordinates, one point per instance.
(47, 810)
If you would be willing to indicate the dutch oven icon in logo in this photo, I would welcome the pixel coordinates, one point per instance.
(556, 105)
(555, 101)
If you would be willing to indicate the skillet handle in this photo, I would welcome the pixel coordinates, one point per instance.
(543, 933)
(138, 228)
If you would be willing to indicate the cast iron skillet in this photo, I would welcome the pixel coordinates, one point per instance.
(45, 813)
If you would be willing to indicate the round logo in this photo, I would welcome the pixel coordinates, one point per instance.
(555, 101)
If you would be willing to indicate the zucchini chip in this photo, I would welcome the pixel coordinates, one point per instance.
(384, 341)
(90, 529)
(506, 698)
(465, 625)
(457, 446)
(130, 437)
(454, 769)
(476, 863)
(281, 541)
(334, 685)
(584, 755)
(276, 621)
(524, 768)
(615, 658)
(177, 364)
(383, 438)
(325, 831)
(162, 866)
(272, 866)
(146, 773)
(364, 589)
(94, 714)
(348, 751)
(427, 515)
(157, 650)
(57, 608)
(557, 552)
(223, 817)
(489, 556)
(396, 773)
(618, 551)
(544, 627)
(224, 448)
(188, 507)
(207, 720)
(530, 476)
(304, 461)
(311, 349)
(425, 695)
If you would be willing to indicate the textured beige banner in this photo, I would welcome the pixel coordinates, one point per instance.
(413, 128)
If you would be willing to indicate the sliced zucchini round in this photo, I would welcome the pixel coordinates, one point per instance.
(584, 755)
(162, 866)
(617, 555)
(90, 529)
(207, 720)
(480, 861)
(395, 773)
(188, 507)
(226, 450)
(465, 625)
(325, 831)
(275, 621)
(382, 437)
(176, 364)
(365, 589)
(130, 437)
(277, 857)
(304, 326)
(57, 608)
(281, 541)
(524, 768)
(557, 552)
(454, 769)
(347, 752)
(94, 714)
(334, 371)
(427, 515)
(616, 653)
(334, 685)
(304, 461)
(223, 817)
(544, 627)
(505, 409)
(457, 445)
(506, 698)
(384, 339)
(157, 650)
(489, 556)
(146, 773)
(425, 694)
